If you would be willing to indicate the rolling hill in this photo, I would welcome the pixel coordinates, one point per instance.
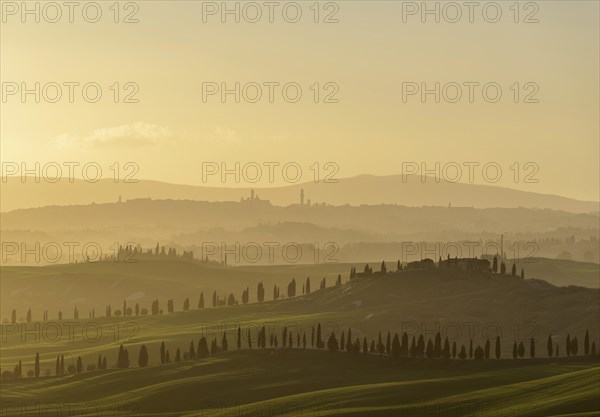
(307, 382)
(416, 301)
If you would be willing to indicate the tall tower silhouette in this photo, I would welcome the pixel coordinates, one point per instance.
(302, 197)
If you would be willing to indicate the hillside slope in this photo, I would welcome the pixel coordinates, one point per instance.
(300, 383)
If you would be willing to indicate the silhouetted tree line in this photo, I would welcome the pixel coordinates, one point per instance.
(133, 253)
(155, 309)
(395, 346)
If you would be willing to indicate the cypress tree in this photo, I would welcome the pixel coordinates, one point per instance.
(162, 353)
(568, 345)
(349, 346)
(239, 338)
(36, 366)
(380, 346)
(122, 358)
(574, 346)
(332, 343)
(515, 351)
(487, 349)
(404, 345)
(62, 365)
(471, 349)
(143, 357)
(497, 347)
(58, 366)
(532, 348)
(388, 344)
(79, 365)
(446, 350)
(549, 346)
(521, 351)
(413, 348)
(586, 343)
(304, 340)
(224, 342)
(191, 352)
(421, 347)
(201, 300)
(320, 344)
(365, 346)
(479, 353)
(463, 352)
(177, 355)
(430, 350)
(437, 346)
(454, 349)
(203, 351)
(396, 346)
(343, 342)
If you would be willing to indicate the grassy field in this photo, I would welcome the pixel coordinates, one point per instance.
(90, 286)
(296, 382)
(461, 307)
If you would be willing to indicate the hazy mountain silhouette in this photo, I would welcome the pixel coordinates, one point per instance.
(161, 218)
(363, 189)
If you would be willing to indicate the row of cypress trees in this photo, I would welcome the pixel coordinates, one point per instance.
(395, 346)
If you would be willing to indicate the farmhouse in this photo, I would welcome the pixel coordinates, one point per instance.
(466, 264)
(424, 263)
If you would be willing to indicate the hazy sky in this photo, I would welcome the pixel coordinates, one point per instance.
(367, 55)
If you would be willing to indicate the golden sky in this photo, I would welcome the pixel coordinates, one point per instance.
(368, 54)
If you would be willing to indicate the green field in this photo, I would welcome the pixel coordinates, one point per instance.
(90, 286)
(295, 382)
(311, 382)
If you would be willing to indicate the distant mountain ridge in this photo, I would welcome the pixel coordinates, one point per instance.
(359, 190)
